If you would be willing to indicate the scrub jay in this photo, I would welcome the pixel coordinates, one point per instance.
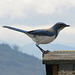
(43, 36)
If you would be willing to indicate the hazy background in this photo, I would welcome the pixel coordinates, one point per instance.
(35, 14)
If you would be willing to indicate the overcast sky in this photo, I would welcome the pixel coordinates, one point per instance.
(35, 14)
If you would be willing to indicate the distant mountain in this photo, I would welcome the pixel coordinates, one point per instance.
(31, 49)
(13, 62)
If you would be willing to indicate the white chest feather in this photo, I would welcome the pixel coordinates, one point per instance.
(43, 39)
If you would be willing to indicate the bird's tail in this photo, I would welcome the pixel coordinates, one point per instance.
(16, 29)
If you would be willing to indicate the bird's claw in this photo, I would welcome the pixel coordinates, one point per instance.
(45, 52)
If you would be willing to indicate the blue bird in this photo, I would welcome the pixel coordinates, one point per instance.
(43, 36)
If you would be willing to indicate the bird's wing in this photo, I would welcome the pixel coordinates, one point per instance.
(42, 32)
(16, 29)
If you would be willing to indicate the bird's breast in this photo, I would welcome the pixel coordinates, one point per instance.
(43, 39)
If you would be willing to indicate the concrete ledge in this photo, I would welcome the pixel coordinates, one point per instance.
(59, 57)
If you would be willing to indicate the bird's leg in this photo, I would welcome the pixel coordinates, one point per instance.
(43, 51)
(40, 48)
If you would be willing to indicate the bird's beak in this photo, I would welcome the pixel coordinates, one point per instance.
(67, 25)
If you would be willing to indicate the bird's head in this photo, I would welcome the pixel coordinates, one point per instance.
(59, 26)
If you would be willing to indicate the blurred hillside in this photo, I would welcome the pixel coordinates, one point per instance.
(13, 62)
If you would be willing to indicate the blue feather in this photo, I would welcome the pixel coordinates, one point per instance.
(16, 29)
(34, 32)
(42, 32)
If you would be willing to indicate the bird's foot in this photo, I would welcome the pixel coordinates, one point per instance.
(45, 52)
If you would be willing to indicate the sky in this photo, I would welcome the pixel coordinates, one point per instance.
(35, 14)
